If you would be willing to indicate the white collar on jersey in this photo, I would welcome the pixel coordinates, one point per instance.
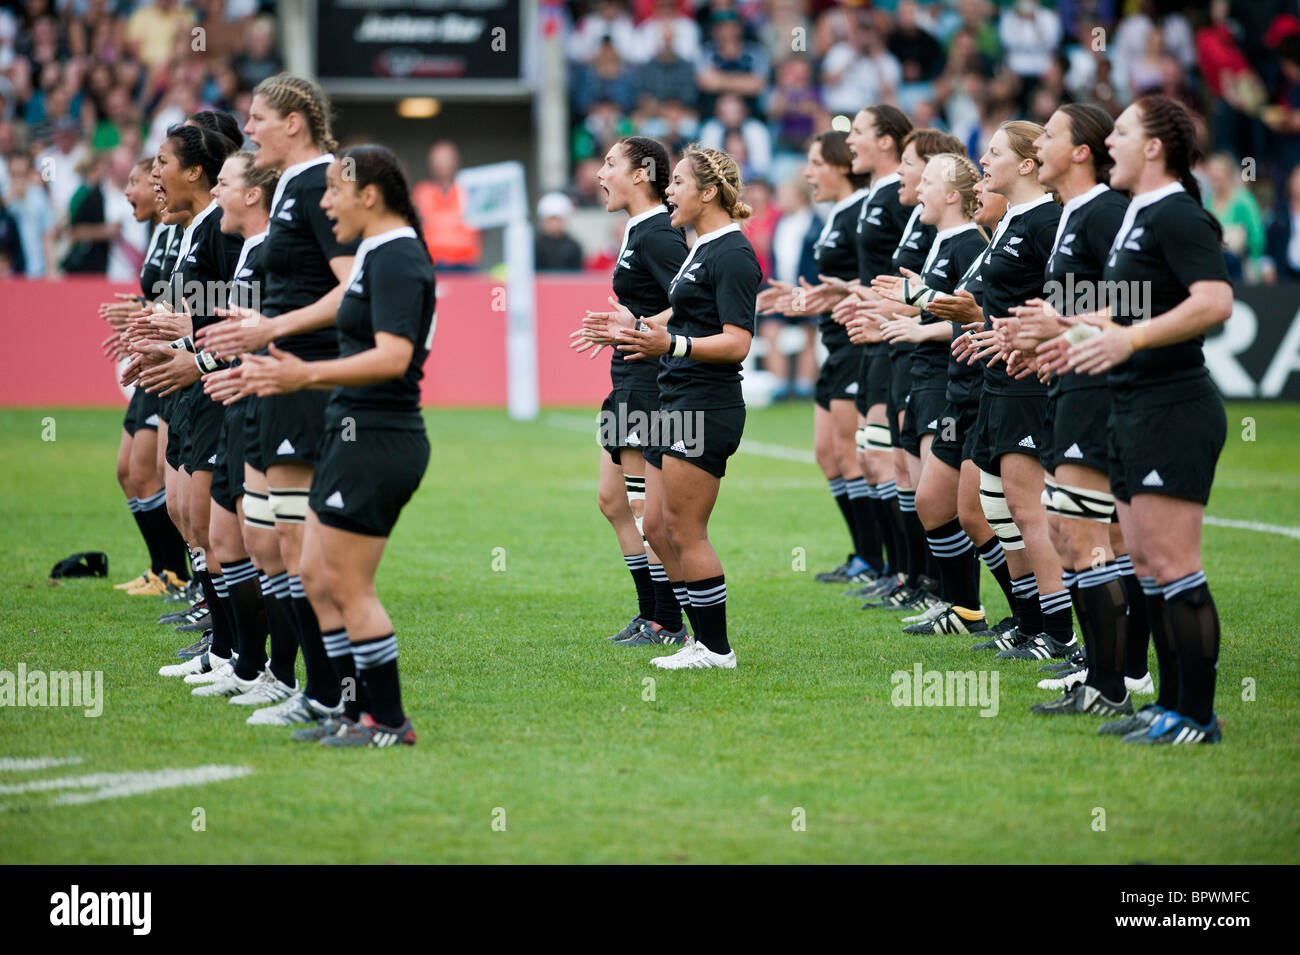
(1139, 203)
(1074, 205)
(251, 243)
(707, 237)
(287, 176)
(942, 237)
(878, 184)
(840, 207)
(188, 235)
(374, 242)
(1014, 212)
(636, 220)
(912, 220)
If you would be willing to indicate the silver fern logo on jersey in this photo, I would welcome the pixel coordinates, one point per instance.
(683, 431)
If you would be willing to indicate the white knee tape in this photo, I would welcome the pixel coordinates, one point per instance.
(289, 504)
(1049, 502)
(1082, 504)
(878, 438)
(257, 509)
(998, 513)
(860, 437)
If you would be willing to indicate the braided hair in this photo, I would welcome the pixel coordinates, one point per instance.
(375, 165)
(892, 122)
(642, 152)
(1167, 120)
(218, 122)
(712, 167)
(197, 146)
(960, 174)
(286, 93)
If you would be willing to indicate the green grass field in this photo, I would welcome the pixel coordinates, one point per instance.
(526, 717)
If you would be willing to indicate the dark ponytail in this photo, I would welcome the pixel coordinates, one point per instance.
(374, 165)
(893, 122)
(1167, 120)
(1089, 126)
(642, 152)
(197, 146)
(217, 122)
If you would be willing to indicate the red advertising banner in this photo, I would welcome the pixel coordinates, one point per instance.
(52, 335)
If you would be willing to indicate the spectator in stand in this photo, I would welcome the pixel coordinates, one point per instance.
(152, 29)
(585, 191)
(12, 262)
(792, 245)
(1232, 82)
(258, 60)
(1237, 211)
(604, 78)
(604, 124)
(87, 231)
(554, 249)
(731, 117)
(668, 28)
(452, 244)
(1130, 42)
(1282, 117)
(131, 238)
(859, 71)
(29, 204)
(1029, 34)
(761, 225)
(666, 75)
(917, 51)
(58, 165)
(675, 126)
(730, 65)
(796, 113)
(1284, 231)
(609, 19)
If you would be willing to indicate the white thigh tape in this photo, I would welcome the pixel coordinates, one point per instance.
(257, 510)
(289, 505)
(1083, 504)
(878, 437)
(1049, 503)
(998, 513)
(860, 436)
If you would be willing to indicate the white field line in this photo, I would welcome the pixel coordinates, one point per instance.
(784, 453)
(11, 765)
(117, 785)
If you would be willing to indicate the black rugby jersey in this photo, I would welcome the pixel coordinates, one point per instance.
(1072, 282)
(204, 265)
(836, 254)
(1013, 273)
(881, 221)
(966, 382)
(1166, 242)
(910, 253)
(250, 272)
(299, 245)
(161, 287)
(951, 254)
(151, 269)
(651, 253)
(717, 285)
(390, 289)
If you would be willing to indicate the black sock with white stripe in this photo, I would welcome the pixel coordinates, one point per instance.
(1162, 640)
(155, 563)
(376, 662)
(1058, 622)
(1071, 581)
(890, 524)
(840, 492)
(638, 565)
(162, 537)
(955, 554)
(995, 559)
(915, 531)
(222, 641)
(1194, 625)
(1137, 635)
(339, 650)
(862, 526)
(667, 612)
(248, 616)
(1026, 606)
(1102, 597)
(283, 629)
(684, 601)
(322, 685)
(709, 601)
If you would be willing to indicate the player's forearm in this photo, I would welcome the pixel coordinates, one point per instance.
(369, 367)
(309, 318)
(1203, 310)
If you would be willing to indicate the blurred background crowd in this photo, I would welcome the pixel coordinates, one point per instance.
(87, 86)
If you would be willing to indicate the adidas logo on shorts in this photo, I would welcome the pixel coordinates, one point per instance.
(1028, 442)
(285, 447)
(334, 500)
(633, 440)
(852, 389)
(1072, 452)
(152, 419)
(932, 424)
(1153, 479)
(679, 447)
(212, 460)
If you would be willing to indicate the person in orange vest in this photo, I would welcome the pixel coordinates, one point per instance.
(441, 204)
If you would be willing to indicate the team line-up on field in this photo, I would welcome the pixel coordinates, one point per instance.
(1014, 377)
